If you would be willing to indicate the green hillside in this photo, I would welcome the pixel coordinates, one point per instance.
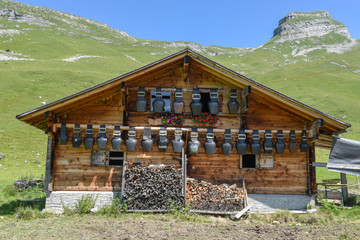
(46, 55)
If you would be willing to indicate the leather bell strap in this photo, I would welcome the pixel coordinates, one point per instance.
(268, 145)
(241, 136)
(214, 95)
(304, 147)
(102, 131)
(210, 135)
(227, 136)
(162, 133)
(194, 134)
(280, 136)
(77, 131)
(131, 133)
(255, 136)
(292, 136)
(117, 131)
(89, 131)
(292, 143)
(178, 134)
(178, 95)
(63, 136)
(158, 94)
(196, 95)
(147, 133)
(303, 136)
(233, 95)
(141, 93)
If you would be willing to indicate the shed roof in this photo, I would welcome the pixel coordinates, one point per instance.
(36, 116)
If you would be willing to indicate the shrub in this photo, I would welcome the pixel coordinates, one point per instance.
(85, 204)
(115, 209)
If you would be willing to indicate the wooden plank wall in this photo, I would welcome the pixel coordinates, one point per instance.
(288, 176)
(261, 115)
(105, 111)
(73, 171)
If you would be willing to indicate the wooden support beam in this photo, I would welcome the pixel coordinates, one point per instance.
(344, 189)
(49, 165)
(216, 130)
(313, 128)
(244, 99)
(202, 90)
(186, 68)
(242, 212)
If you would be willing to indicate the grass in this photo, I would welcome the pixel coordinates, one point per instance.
(25, 84)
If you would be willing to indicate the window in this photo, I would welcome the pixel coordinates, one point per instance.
(165, 97)
(248, 161)
(107, 158)
(205, 98)
(257, 161)
(116, 158)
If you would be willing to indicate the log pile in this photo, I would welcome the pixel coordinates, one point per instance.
(150, 188)
(202, 195)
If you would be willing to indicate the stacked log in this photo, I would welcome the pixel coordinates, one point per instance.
(202, 195)
(153, 188)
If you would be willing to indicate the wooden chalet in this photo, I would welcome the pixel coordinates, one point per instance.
(278, 133)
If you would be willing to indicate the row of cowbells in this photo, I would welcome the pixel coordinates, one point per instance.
(196, 105)
(89, 141)
(193, 145)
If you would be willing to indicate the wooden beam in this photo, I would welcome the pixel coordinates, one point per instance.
(216, 130)
(313, 128)
(337, 165)
(242, 212)
(344, 189)
(186, 68)
(244, 99)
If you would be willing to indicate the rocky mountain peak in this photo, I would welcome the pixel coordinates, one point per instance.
(298, 25)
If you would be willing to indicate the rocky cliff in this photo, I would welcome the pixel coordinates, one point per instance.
(299, 25)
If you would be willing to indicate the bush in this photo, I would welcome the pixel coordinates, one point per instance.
(115, 209)
(85, 204)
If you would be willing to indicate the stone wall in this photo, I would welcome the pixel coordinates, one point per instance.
(57, 199)
(267, 203)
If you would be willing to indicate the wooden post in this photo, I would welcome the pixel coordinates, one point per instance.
(123, 182)
(49, 164)
(312, 169)
(183, 172)
(344, 190)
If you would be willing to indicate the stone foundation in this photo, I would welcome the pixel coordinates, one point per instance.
(267, 203)
(56, 199)
(263, 203)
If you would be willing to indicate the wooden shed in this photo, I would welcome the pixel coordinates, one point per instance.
(270, 138)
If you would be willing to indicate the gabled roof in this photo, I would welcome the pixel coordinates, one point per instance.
(36, 117)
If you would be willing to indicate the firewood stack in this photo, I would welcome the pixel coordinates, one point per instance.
(202, 195)
(150, 188)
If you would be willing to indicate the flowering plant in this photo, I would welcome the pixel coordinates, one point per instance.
(204, 119)
(170, 119)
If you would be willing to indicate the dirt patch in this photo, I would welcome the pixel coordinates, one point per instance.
(165, 227)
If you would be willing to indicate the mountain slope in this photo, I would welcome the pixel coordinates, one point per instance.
(46, 55)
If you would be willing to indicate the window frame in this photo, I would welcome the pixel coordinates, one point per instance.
(105, 156)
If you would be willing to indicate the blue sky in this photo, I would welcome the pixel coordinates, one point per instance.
(229, 23)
